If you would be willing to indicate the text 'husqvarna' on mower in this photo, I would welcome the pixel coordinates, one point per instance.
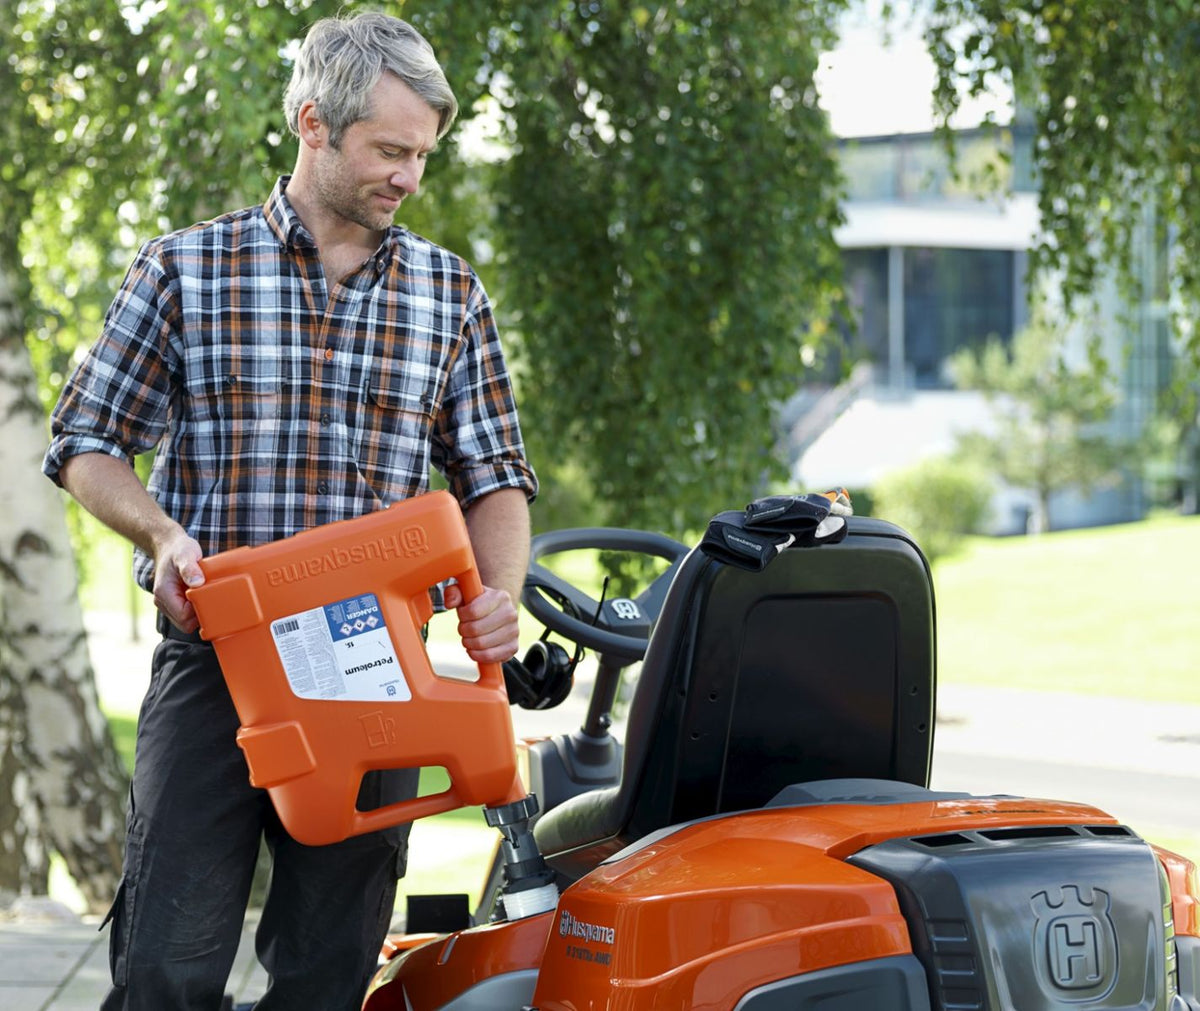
(763, 840)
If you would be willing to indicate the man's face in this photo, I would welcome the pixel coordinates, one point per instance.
(380, 160)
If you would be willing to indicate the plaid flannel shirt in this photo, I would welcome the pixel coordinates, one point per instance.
(277, 404)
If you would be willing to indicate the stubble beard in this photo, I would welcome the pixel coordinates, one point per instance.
(344, 200)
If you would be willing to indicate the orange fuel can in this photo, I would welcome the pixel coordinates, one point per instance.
(319, 638)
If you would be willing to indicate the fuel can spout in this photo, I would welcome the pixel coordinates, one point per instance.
(529, 886)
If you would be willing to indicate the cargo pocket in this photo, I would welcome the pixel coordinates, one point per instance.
(121, 913)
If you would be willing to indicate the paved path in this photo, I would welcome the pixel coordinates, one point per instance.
(48, 965)
(1139, 761)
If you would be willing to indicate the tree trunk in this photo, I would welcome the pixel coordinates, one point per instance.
(62, 783)
(24, 862)
(1039, 516)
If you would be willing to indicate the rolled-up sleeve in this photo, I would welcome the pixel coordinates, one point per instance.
(478, 444)
(117, 399)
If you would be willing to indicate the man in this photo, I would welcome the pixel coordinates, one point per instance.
(296, 363)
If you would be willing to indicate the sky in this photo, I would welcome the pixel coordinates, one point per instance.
(874, 83)
(870, 85)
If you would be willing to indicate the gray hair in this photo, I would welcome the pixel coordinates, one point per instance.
(343, 58)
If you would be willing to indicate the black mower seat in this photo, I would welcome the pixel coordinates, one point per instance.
(820, 666)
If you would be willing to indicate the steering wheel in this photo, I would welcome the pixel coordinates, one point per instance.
(622, 626)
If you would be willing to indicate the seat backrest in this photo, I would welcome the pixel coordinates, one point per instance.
(820, 666)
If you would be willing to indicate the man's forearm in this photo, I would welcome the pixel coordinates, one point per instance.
(498, 525)
(108, 488)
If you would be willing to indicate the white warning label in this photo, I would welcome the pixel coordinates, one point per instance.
(341, 651)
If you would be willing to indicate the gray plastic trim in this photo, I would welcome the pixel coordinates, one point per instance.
(883, 984)
(858, 791)
(1188, 950)
(510, 990)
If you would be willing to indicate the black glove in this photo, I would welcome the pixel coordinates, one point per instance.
(729, 540)
(808, 517)
(796, 514)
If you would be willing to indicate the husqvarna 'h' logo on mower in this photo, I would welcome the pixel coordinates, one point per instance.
(1075, 943)
(626, 609)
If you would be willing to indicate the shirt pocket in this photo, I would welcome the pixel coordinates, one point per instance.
(399, 398)
(395, 426)
(251, 398)
(232, 429)
(235, 392)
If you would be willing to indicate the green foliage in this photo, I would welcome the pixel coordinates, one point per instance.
(71, 82)
(665, 232)
(655, 221)
(661, 207)
(1050, 415)
(939, 502)
(565, 499)
(1173, 440)
(1114, 93)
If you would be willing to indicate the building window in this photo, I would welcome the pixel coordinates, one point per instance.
(867, 289)
(953, 298)
(917, 167)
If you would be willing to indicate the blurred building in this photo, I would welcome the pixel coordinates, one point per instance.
(937, 261)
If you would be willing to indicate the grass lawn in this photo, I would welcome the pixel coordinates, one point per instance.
(1109, 611)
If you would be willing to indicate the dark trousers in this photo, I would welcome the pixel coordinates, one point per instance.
(194, 829)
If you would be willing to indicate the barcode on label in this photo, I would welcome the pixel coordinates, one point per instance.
(288, 625)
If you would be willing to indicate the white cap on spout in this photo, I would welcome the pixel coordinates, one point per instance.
(529, 901)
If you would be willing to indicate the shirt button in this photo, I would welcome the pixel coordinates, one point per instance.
(326, 418)
(322, 487)
(329, 354)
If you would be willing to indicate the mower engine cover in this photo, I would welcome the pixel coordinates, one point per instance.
(1035, 918)
(880, 903)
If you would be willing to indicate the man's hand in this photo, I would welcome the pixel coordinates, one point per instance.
(487, 625)
(498, 525)
(107, 487)
(176, 568)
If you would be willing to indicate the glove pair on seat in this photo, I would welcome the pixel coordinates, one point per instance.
(750, 539)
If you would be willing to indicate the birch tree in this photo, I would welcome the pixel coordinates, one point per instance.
(61, 780)
(62, 784)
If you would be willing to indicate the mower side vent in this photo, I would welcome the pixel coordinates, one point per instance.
(945, 839)
(1021, 833)
(1029, 832)
(1109, 831)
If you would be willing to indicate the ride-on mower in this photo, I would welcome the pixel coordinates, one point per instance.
(765, 840)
